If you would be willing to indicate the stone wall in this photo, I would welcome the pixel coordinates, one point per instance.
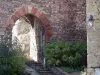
(93, 37)
(67, 17)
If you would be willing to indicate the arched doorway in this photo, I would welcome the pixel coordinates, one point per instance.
(39, 30)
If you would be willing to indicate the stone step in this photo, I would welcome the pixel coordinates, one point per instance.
(40, 69)
(45, 72)
(31, 71)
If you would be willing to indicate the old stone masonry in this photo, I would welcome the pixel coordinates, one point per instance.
(93, 36)
(67, 20)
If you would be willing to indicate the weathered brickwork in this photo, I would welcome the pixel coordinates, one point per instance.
(66, 17)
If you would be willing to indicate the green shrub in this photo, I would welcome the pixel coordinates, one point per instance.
(12, 60)
(72, 54)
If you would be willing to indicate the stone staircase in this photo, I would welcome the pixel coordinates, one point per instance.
(39, 68)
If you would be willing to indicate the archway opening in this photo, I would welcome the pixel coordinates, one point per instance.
(37, 24)
(28, 31)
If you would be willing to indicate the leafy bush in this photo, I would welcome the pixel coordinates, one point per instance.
(12, 60)
(71, 54)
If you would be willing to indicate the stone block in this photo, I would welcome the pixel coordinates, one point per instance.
(93, 60)
(90, 71)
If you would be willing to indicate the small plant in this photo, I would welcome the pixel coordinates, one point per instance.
(12, 60)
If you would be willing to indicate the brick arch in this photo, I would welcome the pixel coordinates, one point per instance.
(35, 12)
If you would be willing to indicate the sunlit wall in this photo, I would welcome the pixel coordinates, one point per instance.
(25, 34)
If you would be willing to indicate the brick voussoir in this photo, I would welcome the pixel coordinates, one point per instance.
(17, 14)
(10, 22)
(38, 13)
(22, 11)
(43, 19)
(33, 11)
